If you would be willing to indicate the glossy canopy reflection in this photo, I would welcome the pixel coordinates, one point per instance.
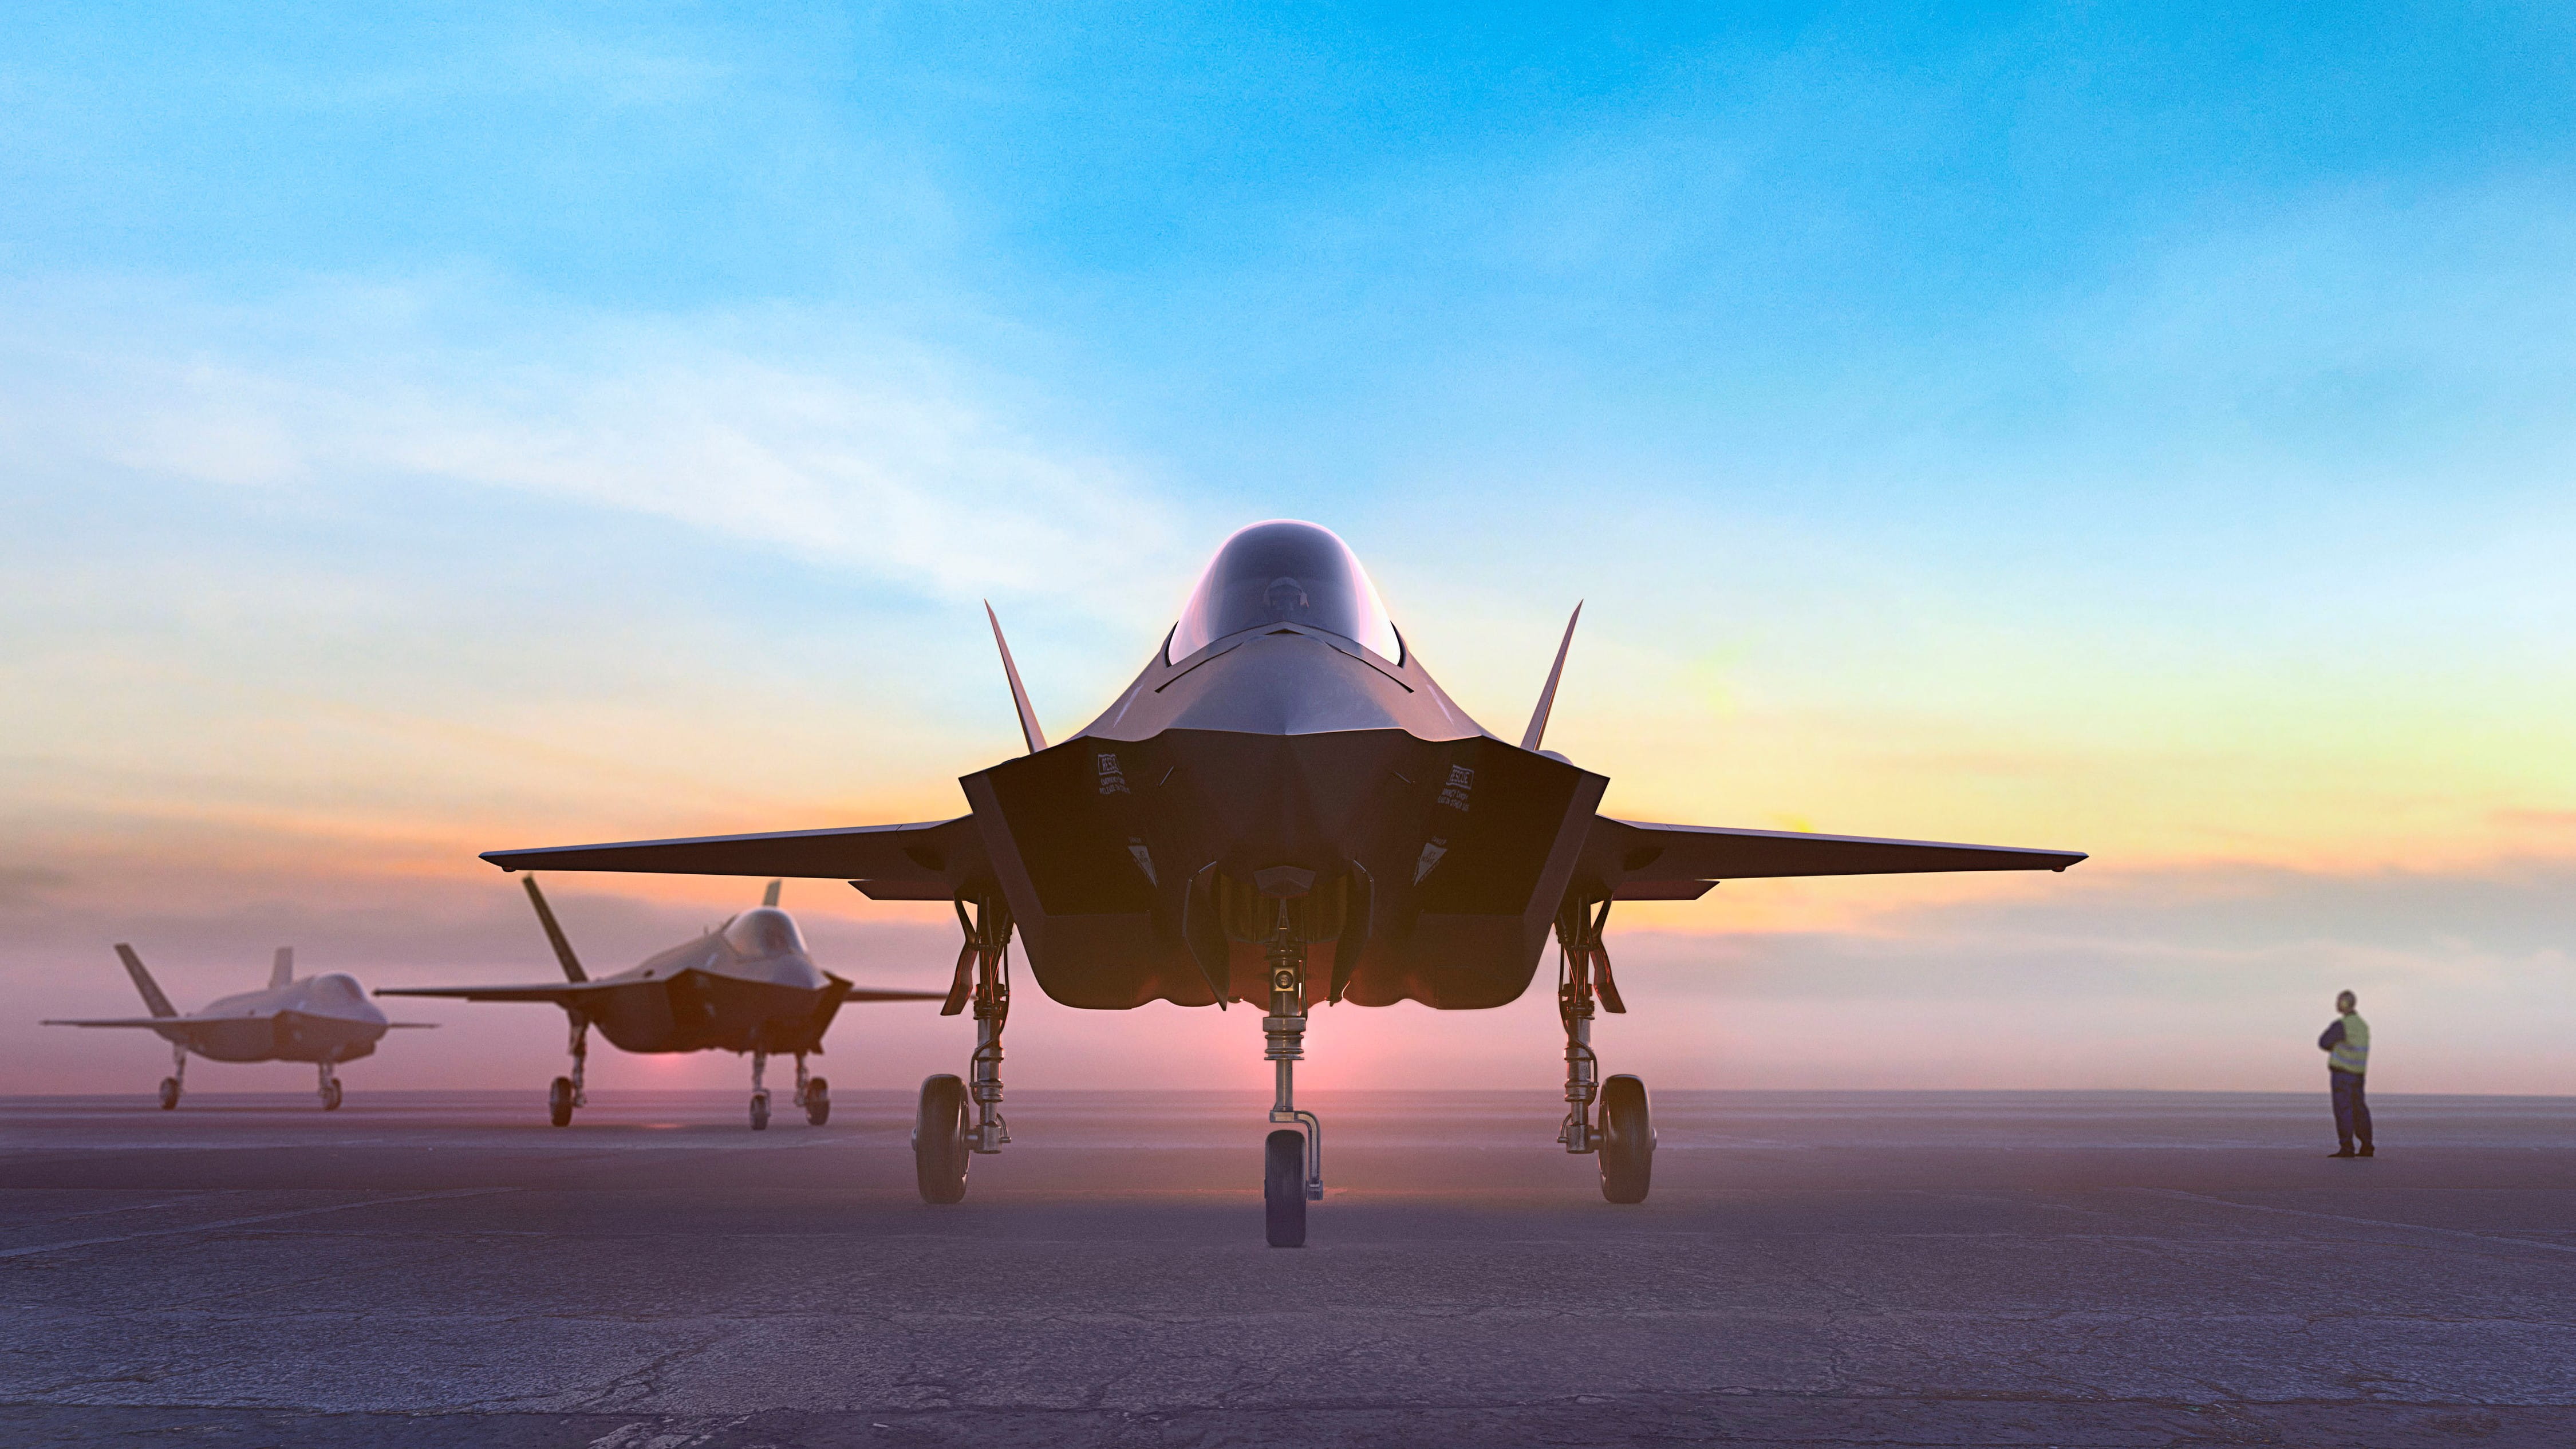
(1284, 572)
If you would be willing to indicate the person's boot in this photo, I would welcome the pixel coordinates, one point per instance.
(2343, 1151)
(2365, 1151)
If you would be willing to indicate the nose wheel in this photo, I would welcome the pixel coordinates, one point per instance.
(561, 1097)
(169, 1093)
(565, 1093)
(177, 1082)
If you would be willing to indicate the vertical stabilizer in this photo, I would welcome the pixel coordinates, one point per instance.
(554, 933)
(281, 972)
(1547, 697)
(158, 1004)
(1029, 730)
(769, 897)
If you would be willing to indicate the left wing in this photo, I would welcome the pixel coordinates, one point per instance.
(153, 1021)
(928, 860)
(1640, 861)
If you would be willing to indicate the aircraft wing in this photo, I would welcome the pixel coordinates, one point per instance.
(870, 993)
(558, 992)
(927, 859)
(150, 1021)
(1680, 862)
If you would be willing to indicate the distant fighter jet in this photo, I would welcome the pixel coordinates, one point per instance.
(746, 986)
(325, 1020)
(1283, 807)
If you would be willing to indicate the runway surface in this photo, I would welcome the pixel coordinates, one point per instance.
(1813, 1268)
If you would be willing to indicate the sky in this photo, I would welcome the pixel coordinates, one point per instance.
(2138, 429)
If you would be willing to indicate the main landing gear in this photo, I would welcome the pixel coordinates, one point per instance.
(565, 1093)
(1624, 1137)
(812, 1093)
(943, 1141)
(177, 1082)
(1292, 1162)
(330, 1089)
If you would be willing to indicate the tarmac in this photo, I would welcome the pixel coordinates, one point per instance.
(2028, 1269)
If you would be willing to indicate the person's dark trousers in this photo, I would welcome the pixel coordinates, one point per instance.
(2352, 1110)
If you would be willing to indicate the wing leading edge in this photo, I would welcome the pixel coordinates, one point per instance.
(1644, 861)
(923, 861)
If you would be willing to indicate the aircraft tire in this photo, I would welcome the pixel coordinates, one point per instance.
(760, 1111)
(818, 1102)
(331, 1097)
(1627, 1140)
(559, 1102)
(169, 1093)
(939, 1155)
(1283, 1188)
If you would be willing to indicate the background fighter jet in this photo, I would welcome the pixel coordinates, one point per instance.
(1283, 806)
(325, 1020)
(746, 986)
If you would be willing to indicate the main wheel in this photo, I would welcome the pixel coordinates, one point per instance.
(939, 1155)
(169, 1093)
(1627, 1140)
(331, 1096)
(818, 1102)
(559, 1101)
(760, 1111)
(1283, 1188)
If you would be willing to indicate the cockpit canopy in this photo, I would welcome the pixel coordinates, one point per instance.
(763, 931)
(1284, 572)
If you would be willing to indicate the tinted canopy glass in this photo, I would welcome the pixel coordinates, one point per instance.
(764, 932)
(1284, 572)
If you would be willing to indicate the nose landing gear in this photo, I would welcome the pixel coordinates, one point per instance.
(813, 1094)
(330, 1089)
(759, 1093)
(1624, 1138)
(177, 1082)
(1292, 1165)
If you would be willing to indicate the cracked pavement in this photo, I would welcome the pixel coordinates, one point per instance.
(1812, 1268)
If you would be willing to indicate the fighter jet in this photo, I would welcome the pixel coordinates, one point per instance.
(745, 986)
(1284, 808)
(325, 1020)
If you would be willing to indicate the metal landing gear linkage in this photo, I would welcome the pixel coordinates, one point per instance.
(1292, 1162)
(1624, 1137)
(177, 1082)
(329, 1088)
(943, 1144)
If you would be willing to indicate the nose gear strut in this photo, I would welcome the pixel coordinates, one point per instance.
(1582, 972)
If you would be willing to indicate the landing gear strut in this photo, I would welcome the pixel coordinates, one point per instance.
(813, 1094)
(1292, 1166)
(943, 1142)
(565, 1093)
(1624, 1138)
(759, 1093)
(330, 1089)
(177, 1082)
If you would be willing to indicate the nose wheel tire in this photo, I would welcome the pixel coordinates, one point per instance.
(559, 1102)
(1627, 1140)
(939, 1153)
(169, 1093)
(818, 1102)
(1283, 1188)
(760, 1111)
(331, 1097)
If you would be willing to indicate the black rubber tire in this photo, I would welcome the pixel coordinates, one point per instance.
(939, 1153)
(760, 1111)
(1627, 1140)
(331, 1098)
(1283, 1188)
(169, 1093)
(818, 1102)
(559, 1102)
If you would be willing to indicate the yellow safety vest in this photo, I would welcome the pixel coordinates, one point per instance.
(2352, 1054)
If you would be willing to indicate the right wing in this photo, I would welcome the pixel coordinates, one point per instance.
(929, 859)
(151, 1021)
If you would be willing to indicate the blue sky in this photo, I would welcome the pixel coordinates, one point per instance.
(2133, 428)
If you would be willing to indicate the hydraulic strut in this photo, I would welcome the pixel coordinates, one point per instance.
(580, 1056)
(1285, 1030)
(1582, 977)
(984, 978)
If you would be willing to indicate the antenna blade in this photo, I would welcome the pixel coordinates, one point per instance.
(769, 897)
(1547, 697)
(281, 972)
(554, 933)
(1029, 730)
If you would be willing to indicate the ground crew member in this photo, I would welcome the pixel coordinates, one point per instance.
(2347, 1048)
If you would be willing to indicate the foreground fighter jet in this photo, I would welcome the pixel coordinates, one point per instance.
(1283, 807)
(325, 1020)
(746, 986)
